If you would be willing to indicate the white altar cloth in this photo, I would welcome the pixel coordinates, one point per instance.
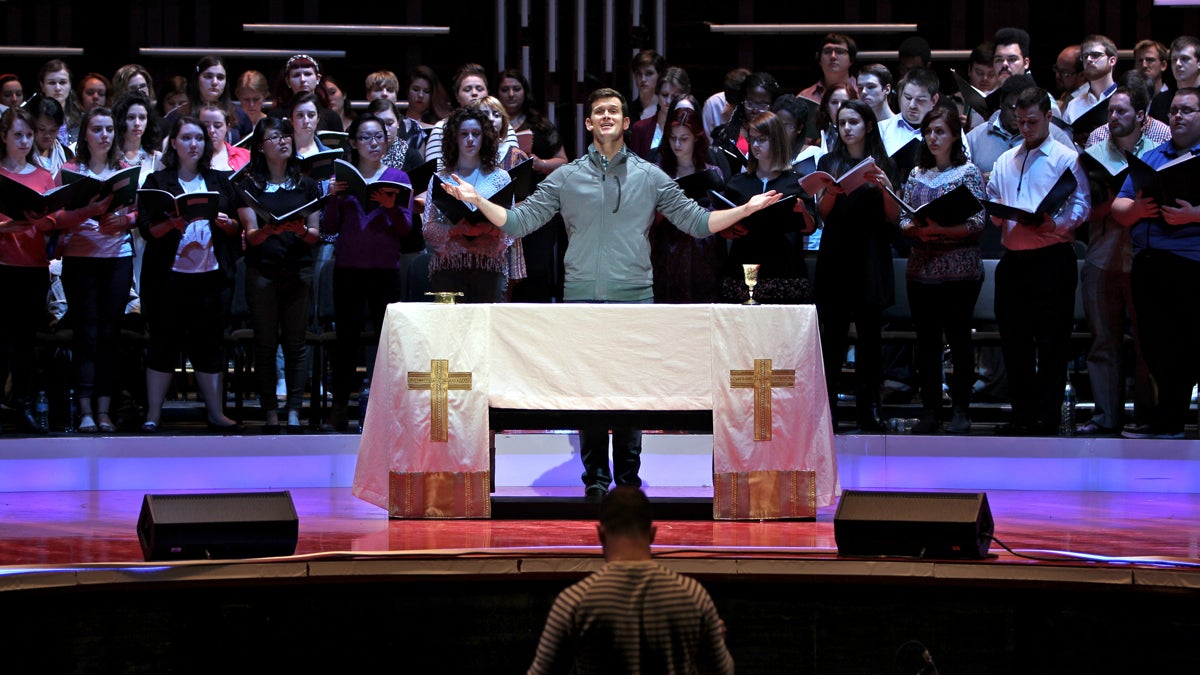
(592, 357)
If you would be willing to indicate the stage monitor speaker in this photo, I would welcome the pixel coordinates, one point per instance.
(218, 526)
(940, 525)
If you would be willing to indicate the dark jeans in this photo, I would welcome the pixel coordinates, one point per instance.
(944, 309)
(868, 353)
(279, 309)
(1169, 326)
(23, 312)
(97, 291)
(193, 314)
(626, 456)
(1035, 305)
(354, 290)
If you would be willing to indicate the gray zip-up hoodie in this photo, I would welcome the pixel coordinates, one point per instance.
(608, 212)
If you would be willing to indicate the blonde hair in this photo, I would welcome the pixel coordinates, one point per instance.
(494, 103)
(254, 80)
(382, 79)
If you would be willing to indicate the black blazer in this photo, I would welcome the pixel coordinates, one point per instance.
(160, 253)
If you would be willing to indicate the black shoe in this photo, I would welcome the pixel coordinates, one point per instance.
(595, 494)
(1150, 431)
(929, 424)
(871, 424)
(959, 424)
(1013, 429)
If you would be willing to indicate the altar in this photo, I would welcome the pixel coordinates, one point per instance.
(424, 451)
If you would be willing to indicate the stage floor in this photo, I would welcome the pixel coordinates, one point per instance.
(1075, 534)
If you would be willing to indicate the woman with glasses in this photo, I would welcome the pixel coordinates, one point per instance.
(133, 77)
(188, 277)
(772, 239)
(279, 267)
(366, 254)
(945, 270)
(466, 257)
(854, 280)
(403, 152)
(757, 92)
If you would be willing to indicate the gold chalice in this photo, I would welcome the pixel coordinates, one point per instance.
(444, 297)
(750, 272)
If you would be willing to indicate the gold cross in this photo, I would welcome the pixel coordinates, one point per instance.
(761, 380)
(439, 381)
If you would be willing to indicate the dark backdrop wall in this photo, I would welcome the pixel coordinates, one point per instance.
(112, 33)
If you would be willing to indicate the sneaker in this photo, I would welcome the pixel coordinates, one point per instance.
(1150, 431)
(594, 494)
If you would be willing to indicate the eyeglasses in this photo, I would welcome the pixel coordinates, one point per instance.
(756, 105)
(1063, 72)
(834, 51)
(1182, 112)
(368, 138)
(1094, 56)
(277, 139)
(758, 140)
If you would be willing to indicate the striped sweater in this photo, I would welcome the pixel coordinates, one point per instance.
(633, 617)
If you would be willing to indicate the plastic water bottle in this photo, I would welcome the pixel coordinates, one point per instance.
(1066, 426)
(363, 395)
(41, 412)
(72, 412)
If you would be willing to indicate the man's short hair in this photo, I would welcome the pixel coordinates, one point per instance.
(648, 57)
(1183, 42)
(1159, 48)
(606, 92)
(626, 512)
(382, 79)
(922, 77)
(881, 73)
(1013, 36)
(1015, 85)
(1188, 91)
(1110, 47)
(838, 39)
(982, 54)
(1034, 97)
(916, 46)
(1137, 87)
